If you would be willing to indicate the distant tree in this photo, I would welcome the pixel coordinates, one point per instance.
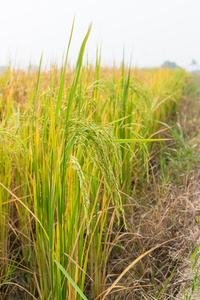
(194, 62)
(170, 65)
(193, 67)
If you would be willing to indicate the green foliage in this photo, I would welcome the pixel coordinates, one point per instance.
(180, 158)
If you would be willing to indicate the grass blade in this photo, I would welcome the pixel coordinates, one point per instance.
(71, 280)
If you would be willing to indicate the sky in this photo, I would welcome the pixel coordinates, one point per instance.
(148, 32)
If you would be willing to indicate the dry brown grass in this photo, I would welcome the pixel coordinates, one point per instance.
(173, 217)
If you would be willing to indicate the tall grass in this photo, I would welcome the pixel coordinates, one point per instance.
(71, 144)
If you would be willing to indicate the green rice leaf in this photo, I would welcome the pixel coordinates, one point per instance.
(71, 280)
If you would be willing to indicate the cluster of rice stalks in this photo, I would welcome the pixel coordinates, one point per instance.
(72, 143)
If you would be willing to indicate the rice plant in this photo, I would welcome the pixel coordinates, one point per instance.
(71, 143)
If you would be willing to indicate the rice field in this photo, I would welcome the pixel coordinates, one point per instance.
(75, 146)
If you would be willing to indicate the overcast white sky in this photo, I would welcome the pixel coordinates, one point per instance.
(152, 31)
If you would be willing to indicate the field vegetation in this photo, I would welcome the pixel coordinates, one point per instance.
(76, 149)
